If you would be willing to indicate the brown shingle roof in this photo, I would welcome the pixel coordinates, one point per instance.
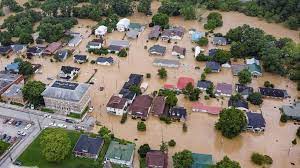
(52, 47)
(156, 159)
(116, 102)
(141, 105)
(158, 106)
(180, 50)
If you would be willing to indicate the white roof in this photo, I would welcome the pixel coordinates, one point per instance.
(252, 61)
(198, 50)
(124, 21)
(144, 85)
(101, 30)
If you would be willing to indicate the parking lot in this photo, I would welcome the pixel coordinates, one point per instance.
(13, 129)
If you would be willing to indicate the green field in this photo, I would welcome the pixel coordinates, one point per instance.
(32, 156)
(3, 147)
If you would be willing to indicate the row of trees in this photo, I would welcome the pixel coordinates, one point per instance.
(214, 20)
(176, 8)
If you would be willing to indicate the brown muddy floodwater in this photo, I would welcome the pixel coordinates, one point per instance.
(201, 136)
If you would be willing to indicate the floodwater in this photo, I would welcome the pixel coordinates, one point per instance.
(201, 136)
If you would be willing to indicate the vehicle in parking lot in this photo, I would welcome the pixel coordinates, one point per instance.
(7, 138)
(62, 125)
(27, 126)
(18, 163)
(18, 123)
(10, 121)
(70, 121)
(6, 120)
(14, 122)
(91, 109)
(3, 136)
(47, 116)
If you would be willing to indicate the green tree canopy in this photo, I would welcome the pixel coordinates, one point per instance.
(32, 91)
(188, 12)
(182, 159)
(144, 6)
(245, 76)
(231, 122)
(162, 73)
(143, 150)
(160, 19)
(255, 98)
(55, 145)
(227, 163)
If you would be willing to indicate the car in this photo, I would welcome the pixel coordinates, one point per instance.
(46, 115)
(62, 125)
(7, 138)
(10, 121)
(3, 136)
(14, 122)
(69, 121)
(19, 132)
(91, 109)
(18, 123)
(17, 163)
(46, 126)
(27, 126)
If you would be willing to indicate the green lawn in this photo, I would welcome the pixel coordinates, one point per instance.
(3, 147)
(32, 156)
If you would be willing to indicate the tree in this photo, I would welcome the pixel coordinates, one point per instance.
(245, 76)
(214, 20)
(293, 23)
(227, 163)
(104, 131)
(162, 73)
(283, 118)
(143, 150)
(188, 12)
(222, 56)
(268, 84)
(207, 70)
(172, 143)
(55, 145)
(141, 126)
(122, 7)
(122, 53)
(171, 100)
(32, 91)
(144, 6)
(203, 76)
(163, 147)
(231, 122)
(135, 89)
(25, 68)
(182, 159)
(160, 19)
(255, 98)
(210, 90)
(203, 41)
(202, 57)
(5, 38)
(51, 33)
(50, 7)
(191, 92)
(25, 38)
(260, 159)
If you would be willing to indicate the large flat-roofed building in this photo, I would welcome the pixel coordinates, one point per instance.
(7, 79)
(67, 97)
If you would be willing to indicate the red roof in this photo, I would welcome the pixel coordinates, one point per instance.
(52, 47)
(168, 86)
(200, 107)
(183, 81)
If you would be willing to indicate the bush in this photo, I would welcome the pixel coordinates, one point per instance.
(93, 61)
(283, 118)
(166, 119)
(206, 97)
(141, 126)
(148, 75)
(184, 127)
(203, 41)
(172, 143)
(122, 53)
(294, 142)
(268, 84)
(260, 159)
(142, 151)
(124, 118)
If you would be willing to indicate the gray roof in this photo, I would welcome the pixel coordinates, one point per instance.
(158, 49)
(14, 91)
(75, 40)
(66, 90)
(236, 68)
(7, 78)
(132, 34)
(292, 111)
(123, 43)
(17, 47)
(220, 40)
(166, 62)
(88, 144)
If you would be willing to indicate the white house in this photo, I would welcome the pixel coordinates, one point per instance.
(198, 50)
(101, 31)
(75, 41)
(252, 61)
(116, 105)
(123, 25)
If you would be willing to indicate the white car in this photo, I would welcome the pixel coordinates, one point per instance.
(62, 125)
(91, 109)
(27, 126)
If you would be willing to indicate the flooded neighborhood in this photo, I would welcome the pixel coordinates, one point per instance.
(201, 135)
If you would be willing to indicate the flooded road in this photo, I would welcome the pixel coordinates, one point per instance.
(201, 136)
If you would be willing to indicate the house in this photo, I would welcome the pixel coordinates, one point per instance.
(68, 72)
(105, 60)
(224, 89)
(158, 106)
(219, 41)
(196, 36)
(252, 61)
(137, 27)
(212, 52)
(75, 41)
(34, 51)
(273, 93)
(134, 80)
(175, 33)
(178, 51)
(13, 67)
(140, 107)
(80, 58)
(5, 50)
(14, 94)
(157, 50)
(198, 50)
(166, 63)
(94, 44)
(156, 159)
(36, 67)
(88, 147)
(123, 25)
(202, 160)
(255, 122)
(213, 66)
(292, 111)
(67, 97)
(62, 55)
(132, 34)
(8, 79)
(255, 70)
(117, 105)
(121, 43)
(200, 107)
(184, 81)
(204, 84)
(237, 68)
(120, 154)
(240, 104)
(114, 49)
(178, 113)
(52, 48)
(18, 48)
(101, 31)
(243, 90)
(155, 33)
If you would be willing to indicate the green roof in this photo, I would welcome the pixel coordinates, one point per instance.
(254, 68)
(119, 151)
(201, 160)
(135, 26)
